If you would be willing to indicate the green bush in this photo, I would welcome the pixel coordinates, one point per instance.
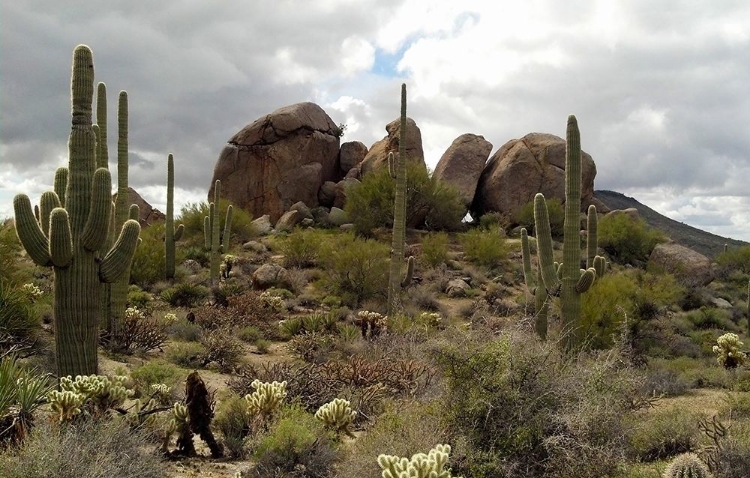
(156, 372)
(487, 248)
(232, 422)
(428, 201)
(435, 248)
(185, 295)
(662, 433)
(10, 247)
(85, 449)
(297, 441)
(148, 265)
(192, 214)
(301, 247)
(495, 219)
(138, 298)
(735, 259)
(525, 216)
(626, 239)
(355, 268)
(187, 354)
(18, 318)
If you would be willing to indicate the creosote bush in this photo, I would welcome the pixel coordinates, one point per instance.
(192, 214)
(434, 249)
(525, 217)
(486, 248)
(626, 239)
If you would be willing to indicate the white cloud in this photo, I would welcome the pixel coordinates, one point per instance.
(357, 55)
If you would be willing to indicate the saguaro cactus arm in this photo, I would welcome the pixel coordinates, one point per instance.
(60, 238)
(29, 231)
(95, 231)
(544, 245)
(409, 272)
(591, 236)
(118, 259)
(61, 184)
(47, 203)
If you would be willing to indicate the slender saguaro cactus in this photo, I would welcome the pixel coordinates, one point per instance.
(599, 263)
(572, 281)
(172, 235)
(102, 161)
(397, 168)
(214, 242)
(533, 280)
(76, 232)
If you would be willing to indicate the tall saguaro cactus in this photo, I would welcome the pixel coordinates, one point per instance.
(533, 280)
(172, 235)
(77, 230)
(571, 281)
(214, 242)
(397, 167)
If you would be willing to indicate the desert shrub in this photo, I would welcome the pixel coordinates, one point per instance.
(249, 334)
(404, 429)
(156, 372)
(222, 349)
(486, 248)
(198, 254)
(185, 295)
(524, 408)
(187, 354)
(233, 423)
(626, 239)
(10, 247)
(21, 393)
(138, 297)
(435, 248)
(311, 346)
(661, 433)
(664, 382)
(733, 459)
(429, 202)
(85, 449)
(555, 210)
(354, 267)
(707, 318)
(262, 346)
(296, 442)
(495, 219)
(635, 295)
(192, 214)
(18, 318)
(184, 330)
(226, 289)
(139, 332)
(148, 266)
(734, 259)
(301, 247)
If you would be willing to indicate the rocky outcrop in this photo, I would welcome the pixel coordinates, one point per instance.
(270, 275)
(147, 215)
(462, 163)
(377, 157)
(279, 159)
(523, 167)
(352, 153)
(631, 212)
(688, 266)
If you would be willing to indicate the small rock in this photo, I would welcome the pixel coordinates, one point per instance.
(262, 225)
(457, 288)
(302, 209)
(254, 246)
(270, 275)
(337, 216)
(192, 266)
(288, 220)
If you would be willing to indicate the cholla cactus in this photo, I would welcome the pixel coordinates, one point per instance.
(161, 393)
(226, 265)
(371, 323)
(98, 390)
(32, 291)
(430, 465)
(266, 399)
(66, 404)
(687, 465)
(170, 318)
(272, 302)
(431, 318)
(134, 313)
(337, 415)
(728, 352)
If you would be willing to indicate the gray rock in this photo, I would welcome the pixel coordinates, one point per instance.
(288, 220)
(270, 275)
(302, 208)
(262, 225)
(337, 216)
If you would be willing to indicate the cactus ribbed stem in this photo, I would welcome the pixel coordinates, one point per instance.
(216, 243)
(172, 235)
(533, 280)
(399, 215)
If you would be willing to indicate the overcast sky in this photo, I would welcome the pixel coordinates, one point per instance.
(660, 89)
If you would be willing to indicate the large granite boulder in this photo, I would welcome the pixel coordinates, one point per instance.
(147, 215)
(688, 266)
(462, 164)
(523, 167)
(352, 153)
(377, 156)
(279, 159)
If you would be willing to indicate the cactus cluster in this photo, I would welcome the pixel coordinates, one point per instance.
(687, 465)
(430, 465)
(567, 280)
(172, 235)
(215, 243)
(73, 229)
(728, 350)
(337, 415)
(99, 392)
(267, 398)
(397, 168)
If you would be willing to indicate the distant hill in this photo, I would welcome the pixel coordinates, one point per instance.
(704, 242)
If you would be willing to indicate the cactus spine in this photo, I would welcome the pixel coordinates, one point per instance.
(397, 168)
(687, 465)
(76, 232)
(533, 279)
(572, 282)
(172, 235)
(211, 227)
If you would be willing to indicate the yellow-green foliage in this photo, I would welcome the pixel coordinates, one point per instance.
(148, 261)
(687, 465)
(337, 415)
(192, 214)
(627, 239)
(615, 296)
(430, 465)
(267, 398)
(301, 248)
(729, 351)
(370, 203)
(101, 392)
(18, 317)
(525, 217)
(10, 247)
(355, 268)
(735, 259)
(435, 248)
(487, 248)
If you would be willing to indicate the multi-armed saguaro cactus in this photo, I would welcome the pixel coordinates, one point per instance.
(397, 167)
(567, 280)
(214, 242)
(533, 280)
(599, 263)
(172, 235)
(77, 230)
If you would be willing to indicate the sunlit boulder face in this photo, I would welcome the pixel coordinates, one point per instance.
(523, 167)
(278, 160)
(377, 156)
(462, 163)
